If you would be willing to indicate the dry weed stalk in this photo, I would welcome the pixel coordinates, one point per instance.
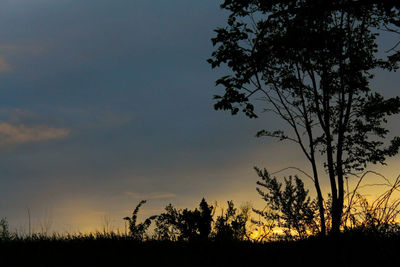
(384, 210)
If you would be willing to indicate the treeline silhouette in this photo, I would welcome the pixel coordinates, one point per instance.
(200, 237)
(192, 225)
(284, 233)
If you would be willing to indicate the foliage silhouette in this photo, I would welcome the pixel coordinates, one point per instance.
(185, 224)
(165, 225)
(231, 225)
(311, 63)
(230, 249)
(290, 208)
(99, 249)
(138, 231)
(4, 229)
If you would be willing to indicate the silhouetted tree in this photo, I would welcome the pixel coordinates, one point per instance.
(138, 231)
(188, 224)
(290, 207)
(166, 222)
(231, 224)
(185, 224)
(206, 219)
(310, 62)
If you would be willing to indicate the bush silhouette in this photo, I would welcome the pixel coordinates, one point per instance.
(231, 225)
(4, 229)
(185, 224)
(138, 231)
(289, 208)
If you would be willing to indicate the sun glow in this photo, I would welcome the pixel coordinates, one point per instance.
(260, 234)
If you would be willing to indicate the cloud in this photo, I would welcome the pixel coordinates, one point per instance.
(19, 134)
(17, 115)
(4, 66)
(154, 195)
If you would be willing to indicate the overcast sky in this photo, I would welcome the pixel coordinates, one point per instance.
(104, 103)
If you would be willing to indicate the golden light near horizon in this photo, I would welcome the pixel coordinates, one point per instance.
(258, 235)
(89, 216)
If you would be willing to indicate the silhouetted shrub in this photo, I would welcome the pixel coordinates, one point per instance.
(289, 208)
(206, 218)
(184, 224)
(166, 225)
(138, 231)
(231, 225)
(4, 229)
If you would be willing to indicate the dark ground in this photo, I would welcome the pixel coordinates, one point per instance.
(347, 250)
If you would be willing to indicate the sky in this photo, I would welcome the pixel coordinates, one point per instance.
(104, 103)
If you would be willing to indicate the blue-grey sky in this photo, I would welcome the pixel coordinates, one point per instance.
(104, 103)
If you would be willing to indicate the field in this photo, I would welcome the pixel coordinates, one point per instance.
(113, 250)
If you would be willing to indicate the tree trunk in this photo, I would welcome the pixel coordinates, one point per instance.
(335, 209)
(335, 213)
(320, 199)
